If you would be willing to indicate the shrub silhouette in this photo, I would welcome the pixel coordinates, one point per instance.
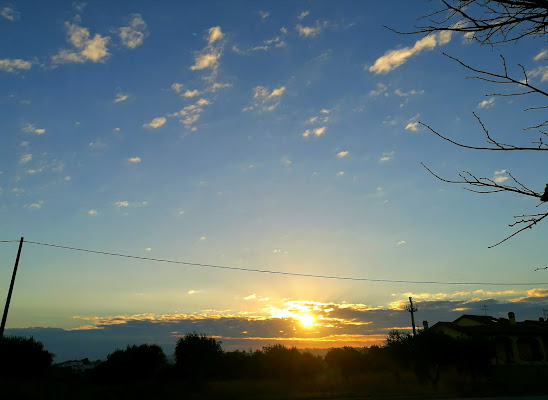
(24, 358)
(198, 356)
(146, 361)
(347, 360)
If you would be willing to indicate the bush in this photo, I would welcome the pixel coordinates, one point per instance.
(24, 358)
(146, 361)
(198, 356)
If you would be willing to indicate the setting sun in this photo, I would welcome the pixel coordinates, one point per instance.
(307, 320)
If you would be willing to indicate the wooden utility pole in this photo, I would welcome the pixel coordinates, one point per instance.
(412, 310)
(7, 306)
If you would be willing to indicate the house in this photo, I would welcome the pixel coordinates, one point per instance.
(513, 342)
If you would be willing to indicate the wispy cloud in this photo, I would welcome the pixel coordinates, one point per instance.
(316, 131)
(487, 103)
(392, 59)
(410, 93)
(191, 113)
(381, 88)
(541, 55)
(122, 204)
(177, 87)
(30, 128)
(387, 156)
(10, 14)
(264, 99)
(155, 123)
(14, 65)
(191, 93)
(540, 71)
(93, 212)
(134, 160)
(133, 35)
(84, 48)
(342, 154)
(412, 126)
(303, 14)
(498, 176)
(121, 97)
(25, 158)
(208, 58)
(264, 14)
(311, 31)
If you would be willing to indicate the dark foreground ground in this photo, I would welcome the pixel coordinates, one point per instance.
(506, 383)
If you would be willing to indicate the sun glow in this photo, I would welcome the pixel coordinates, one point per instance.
(306, 319)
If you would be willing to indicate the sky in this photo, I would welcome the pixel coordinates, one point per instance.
(281, 136)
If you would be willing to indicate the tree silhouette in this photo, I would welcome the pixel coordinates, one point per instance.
(198, 356)
(134, 363)
(23, 358)
(491, 22)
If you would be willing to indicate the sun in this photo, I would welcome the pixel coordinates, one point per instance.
(306, 319)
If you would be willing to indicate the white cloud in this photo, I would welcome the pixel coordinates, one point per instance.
(84, 49)
(134, 160)
(265, 99)
(121, 97)
(252, 296)
(392, 59)
(283, 29)
(14, 65)
(192, 291)
(316, 131)
(217, 86)
(133, 35)
(401, 243)
(67, 178)
(541, 55)
(387, 156)
(540, 71)
(203, 238)
(309, 31)
(191, 93)
(177, 87)
(325, 111)
(30, 128)
(93, 212)
(25, 158)
(35, 206)
(264, 14)
(207, 60)
(340, 173)
(215, 34)
(155, 123)
(10, 14)
(410, 93)
(498, 178)
(191, 113)
(412, 126)
(487, 103)
(342, 154)
(286, 161)
(381, 88)
(122, 204)
(303, 14)
(148, 249)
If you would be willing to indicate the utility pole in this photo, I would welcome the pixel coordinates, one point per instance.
(412, 310)
(485, 308)
(7, 306)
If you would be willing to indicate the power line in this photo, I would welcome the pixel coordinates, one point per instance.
(266, 271)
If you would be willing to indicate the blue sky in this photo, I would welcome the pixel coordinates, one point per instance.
(270, 135)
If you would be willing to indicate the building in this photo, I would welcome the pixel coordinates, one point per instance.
(513, 342)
